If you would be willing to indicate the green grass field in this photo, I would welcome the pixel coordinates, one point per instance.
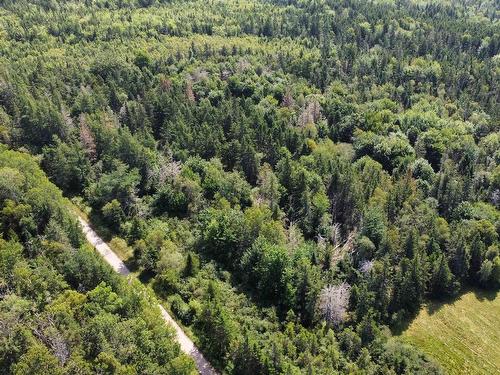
(463, 336)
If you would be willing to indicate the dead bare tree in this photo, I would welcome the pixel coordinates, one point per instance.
(168, 169)
(87, 139)
(366, 266)
(48, 333)
(294, 236)
(310, 114)
(68, 122)
(288, 100)
(242, 65)
(339, 250)
(333, 303)
(199, 75)
(334, 234)
(189, 91)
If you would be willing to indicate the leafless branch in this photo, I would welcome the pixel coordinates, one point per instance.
(333, 303)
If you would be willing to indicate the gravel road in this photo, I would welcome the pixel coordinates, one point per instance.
(187, 346)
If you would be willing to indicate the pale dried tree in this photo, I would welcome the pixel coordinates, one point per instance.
(334, 234)
(66, 116)
(310, 114)
(242, 65)
(165, 84)
(173, 168)
(47, 332)
(314, 109)
(166, 169)
(123, 111)
(59, 347)
(495, 198)
(304, 119)
(189, 91)
(366, 266)
(169, 170)
(199, 75)
(288, 100)
(294, 237)
(341, 250)
(333, 303)
(225, 74)
(87, 139)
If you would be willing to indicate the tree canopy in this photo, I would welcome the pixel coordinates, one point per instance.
(295, 178)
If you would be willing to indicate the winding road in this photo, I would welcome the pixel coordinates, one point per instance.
(187, 346)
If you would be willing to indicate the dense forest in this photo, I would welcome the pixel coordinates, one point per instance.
(295, 178)
(62, 311)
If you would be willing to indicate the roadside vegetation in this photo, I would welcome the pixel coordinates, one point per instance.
(62, 309)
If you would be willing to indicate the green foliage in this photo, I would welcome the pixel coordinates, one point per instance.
(37, 360)
(442, 279)
(269, 148)
(62, 308)
(119, 185)
(222, 234)
(113, 214)
(216, 329)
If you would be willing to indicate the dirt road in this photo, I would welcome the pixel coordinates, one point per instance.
(187, 346)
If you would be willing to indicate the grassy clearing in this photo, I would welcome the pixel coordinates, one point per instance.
(463, 336)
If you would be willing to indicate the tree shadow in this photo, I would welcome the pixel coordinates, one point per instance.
(99, 227)
(434, 306)
(107, 235)
(483, 294)
(402, 324)
(264, 305)
(146, 276)
(131, 264)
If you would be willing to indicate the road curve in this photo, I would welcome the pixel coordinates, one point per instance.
(187, 346)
